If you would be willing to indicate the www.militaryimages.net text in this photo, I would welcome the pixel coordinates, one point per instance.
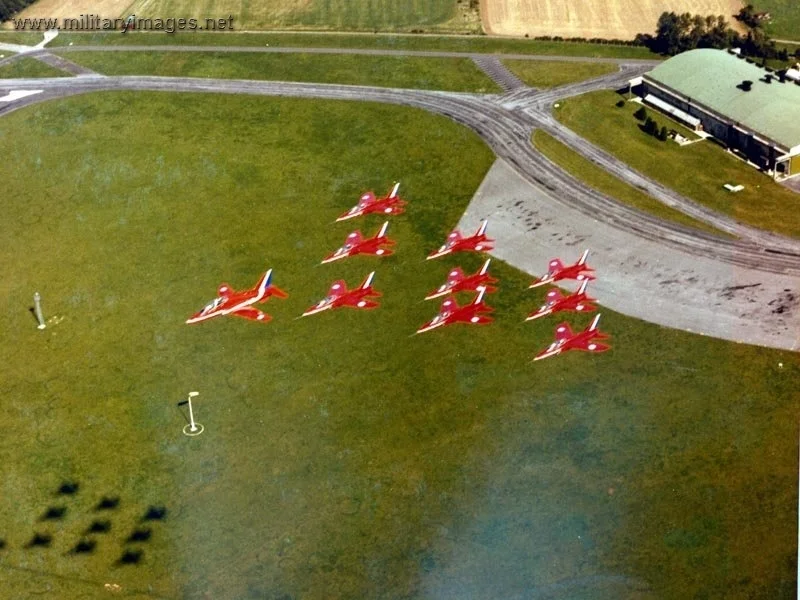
(92, 22)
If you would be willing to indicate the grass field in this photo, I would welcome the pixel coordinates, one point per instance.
(450, 74)
(354, 15)
(381, 41)
(543, 74)
(438, 15)
(601, 180)
(342, 457)
(27, 38)
(698, 171)
(29, 67)
(785, 22)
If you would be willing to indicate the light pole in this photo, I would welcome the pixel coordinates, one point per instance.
(192, 428)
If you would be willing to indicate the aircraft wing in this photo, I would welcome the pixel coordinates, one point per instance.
(364, 201)
(252, 313)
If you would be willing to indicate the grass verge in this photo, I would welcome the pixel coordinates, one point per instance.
(29, 67)
(481, 44)
(26, 38)
(697, 171)
(785, 21)
(450, 74)
(544, 74)
(602, 181)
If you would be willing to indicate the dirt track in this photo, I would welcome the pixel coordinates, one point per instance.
(608, 19)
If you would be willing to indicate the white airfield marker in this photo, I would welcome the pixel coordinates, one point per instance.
(17, 94)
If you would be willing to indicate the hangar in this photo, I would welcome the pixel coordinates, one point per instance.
(750, 110)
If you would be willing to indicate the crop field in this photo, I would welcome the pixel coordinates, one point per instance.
(449, 74)
(699, 171)
(60, 9)
(342, 456)
(607, 19)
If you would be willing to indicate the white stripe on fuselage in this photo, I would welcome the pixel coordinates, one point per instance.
(227, 311)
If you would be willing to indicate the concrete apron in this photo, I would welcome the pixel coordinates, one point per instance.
(635, 276)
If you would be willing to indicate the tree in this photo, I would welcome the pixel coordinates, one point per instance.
(668, 33)
(747, 15)
(662, 134)
(678, 33)
(641, 114)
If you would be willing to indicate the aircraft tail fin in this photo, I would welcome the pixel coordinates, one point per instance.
(482, 228)
(479, 297)
(265, 281)
(485, 266)
(585, 254)
(384, 227)
(595, 321)
(394, 190)
(582, 289)
(368, 281)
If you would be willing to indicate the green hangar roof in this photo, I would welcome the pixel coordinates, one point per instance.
(710, 78)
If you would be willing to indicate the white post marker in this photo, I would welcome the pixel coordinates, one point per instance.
(192, 428)
(37, 308)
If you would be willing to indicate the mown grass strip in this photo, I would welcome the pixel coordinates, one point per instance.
(599, 179)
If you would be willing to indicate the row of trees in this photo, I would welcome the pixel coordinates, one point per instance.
(8, 8)
(678, 33)
(649, 125)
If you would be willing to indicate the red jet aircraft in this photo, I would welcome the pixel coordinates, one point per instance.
(578, 301)
(355, 244)
(368, 203)
(241, 303)
(339, 296)
(583, 340)
(455, 243)
(556, 271)
(451, 312)
(458, 282)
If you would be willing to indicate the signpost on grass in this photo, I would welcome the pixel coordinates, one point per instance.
(192, 428)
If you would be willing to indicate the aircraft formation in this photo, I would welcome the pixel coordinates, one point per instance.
(475, 312)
